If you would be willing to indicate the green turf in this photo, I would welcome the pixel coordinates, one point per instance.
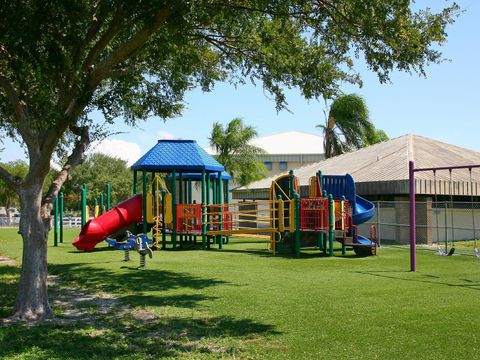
(242, 303)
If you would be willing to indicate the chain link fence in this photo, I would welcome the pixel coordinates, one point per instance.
(440, 225)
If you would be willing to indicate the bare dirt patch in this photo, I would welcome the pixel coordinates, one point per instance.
(7, 261)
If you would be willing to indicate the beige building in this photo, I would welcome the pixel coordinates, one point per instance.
(381, 174)
(288, 150)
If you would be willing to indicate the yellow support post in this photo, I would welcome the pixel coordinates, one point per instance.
(150, 214)
(291, 213)
(281, 224)
(168, 209)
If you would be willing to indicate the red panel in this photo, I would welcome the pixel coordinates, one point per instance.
(314, 214)
(189, 218)
(216, 211)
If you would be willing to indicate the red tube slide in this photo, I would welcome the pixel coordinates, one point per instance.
(122, 216)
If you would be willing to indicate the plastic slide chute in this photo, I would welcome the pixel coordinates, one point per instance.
(120, 217)
(364, 210)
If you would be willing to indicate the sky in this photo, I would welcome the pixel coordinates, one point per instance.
(444, 106)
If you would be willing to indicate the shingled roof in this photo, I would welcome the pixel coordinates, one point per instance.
(383, 168)
(178, 155)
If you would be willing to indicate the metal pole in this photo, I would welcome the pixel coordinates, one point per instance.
(108, 196)
(446, 228)
(181, 200)
(297, 224)
(102, 203)
(413, 225)
(378, 222)
(204, 210)
(61, 217)
(135, 182)
(84, 204)
(227, 200)
(164, 228)
(144, 202)
(331, 224)
(55, 223)
(219, 201)
(174, 208)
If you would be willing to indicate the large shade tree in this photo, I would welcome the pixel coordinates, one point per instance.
(348, 127)
(60, 60)
(235, 153)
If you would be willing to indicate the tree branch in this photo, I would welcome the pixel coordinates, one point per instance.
(126, 49)
(20, 110)
(75, 158)
(11, 180)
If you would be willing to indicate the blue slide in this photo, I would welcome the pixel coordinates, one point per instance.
(363, 210)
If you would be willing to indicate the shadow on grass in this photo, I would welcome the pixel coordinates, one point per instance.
(383, 274)
(130, 338)
(8, 289)
(119, 333)
(130, 280)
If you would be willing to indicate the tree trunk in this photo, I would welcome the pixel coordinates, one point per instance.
(32, 298)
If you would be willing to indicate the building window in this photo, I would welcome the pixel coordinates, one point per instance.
(282, 165)
(268, 165)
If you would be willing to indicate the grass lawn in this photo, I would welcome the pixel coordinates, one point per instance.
(242, 303)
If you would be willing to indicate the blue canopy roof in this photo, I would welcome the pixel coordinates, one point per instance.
(178, 155)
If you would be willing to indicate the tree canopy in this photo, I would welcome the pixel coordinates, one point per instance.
(60, 60)
(97, 171)
(235, 153)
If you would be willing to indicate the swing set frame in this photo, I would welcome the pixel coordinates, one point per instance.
(412, 192)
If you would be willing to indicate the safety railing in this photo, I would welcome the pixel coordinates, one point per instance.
(189, 218)
(265, 216)
(314, 214)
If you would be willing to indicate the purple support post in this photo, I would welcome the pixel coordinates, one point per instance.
(413, 224)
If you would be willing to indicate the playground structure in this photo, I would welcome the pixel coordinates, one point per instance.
(99, 208)
(165, 206)
(412, 201)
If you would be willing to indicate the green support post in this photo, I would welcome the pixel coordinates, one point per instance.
(55, 223)
(320, 179)
(204, 210)
(331, 225)
(102, 203)
(144, 202)
(219, 201)
(84, 204)
(135, 182)
(108, 196)
(189, 200)
(291, 185)
(174, 209)
(227, 201)
(208, 199)
(61, 217)
(297, 224)
(214, 201)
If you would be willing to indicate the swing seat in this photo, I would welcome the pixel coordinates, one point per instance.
(451, 252)
(440, 251)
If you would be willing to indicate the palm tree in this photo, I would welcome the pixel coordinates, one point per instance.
(235, 153)
(347, 126)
